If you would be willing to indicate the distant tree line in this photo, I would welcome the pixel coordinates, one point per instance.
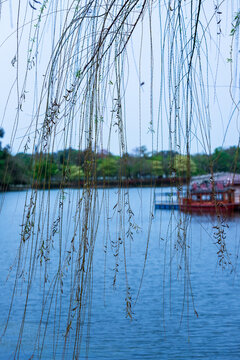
(70, 166)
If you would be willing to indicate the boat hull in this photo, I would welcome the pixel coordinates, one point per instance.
(213, 208)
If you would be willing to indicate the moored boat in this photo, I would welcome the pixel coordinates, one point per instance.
(209, 197)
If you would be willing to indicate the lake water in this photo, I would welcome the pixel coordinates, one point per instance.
(188, 306)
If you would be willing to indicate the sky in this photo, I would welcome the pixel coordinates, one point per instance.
(140, 105)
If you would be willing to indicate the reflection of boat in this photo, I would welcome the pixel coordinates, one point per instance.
(208, 197)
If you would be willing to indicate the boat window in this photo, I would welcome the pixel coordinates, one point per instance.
(219, 196)
(206, 197)
(194, 197)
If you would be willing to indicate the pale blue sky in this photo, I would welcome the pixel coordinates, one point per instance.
(224, 129)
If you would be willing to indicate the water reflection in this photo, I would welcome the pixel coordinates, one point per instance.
(178, 279)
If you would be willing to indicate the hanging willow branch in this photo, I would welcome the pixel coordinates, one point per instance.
(84, 48)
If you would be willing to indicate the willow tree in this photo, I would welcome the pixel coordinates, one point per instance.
(72, 63)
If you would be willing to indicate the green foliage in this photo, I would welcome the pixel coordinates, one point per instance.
(222, 159)
(5, 173)
(142, 167)
(157, 169)
(45, 169)
(108, 167)
(235, 24)
(24, 168)
(2, 132)
(181, 164)
(157, 165)
(202, 162)
(75, 173)
(21, 169)
(141, 151)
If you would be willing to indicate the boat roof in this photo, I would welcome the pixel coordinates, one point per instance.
(207, 188)
(223, 177)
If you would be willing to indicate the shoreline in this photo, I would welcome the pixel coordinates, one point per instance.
(125, 183)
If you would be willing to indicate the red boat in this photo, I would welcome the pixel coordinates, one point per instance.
(209, 197)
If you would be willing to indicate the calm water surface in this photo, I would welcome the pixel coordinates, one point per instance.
(165, 324)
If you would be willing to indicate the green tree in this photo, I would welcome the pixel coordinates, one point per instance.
(157, 165)
(140, 151)
(76, 173)
(181, 165)
(202, 162)
(222, 160)
(2, 132)
(108, 167)
(157, 169)
(141, 167)
(45, 169)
